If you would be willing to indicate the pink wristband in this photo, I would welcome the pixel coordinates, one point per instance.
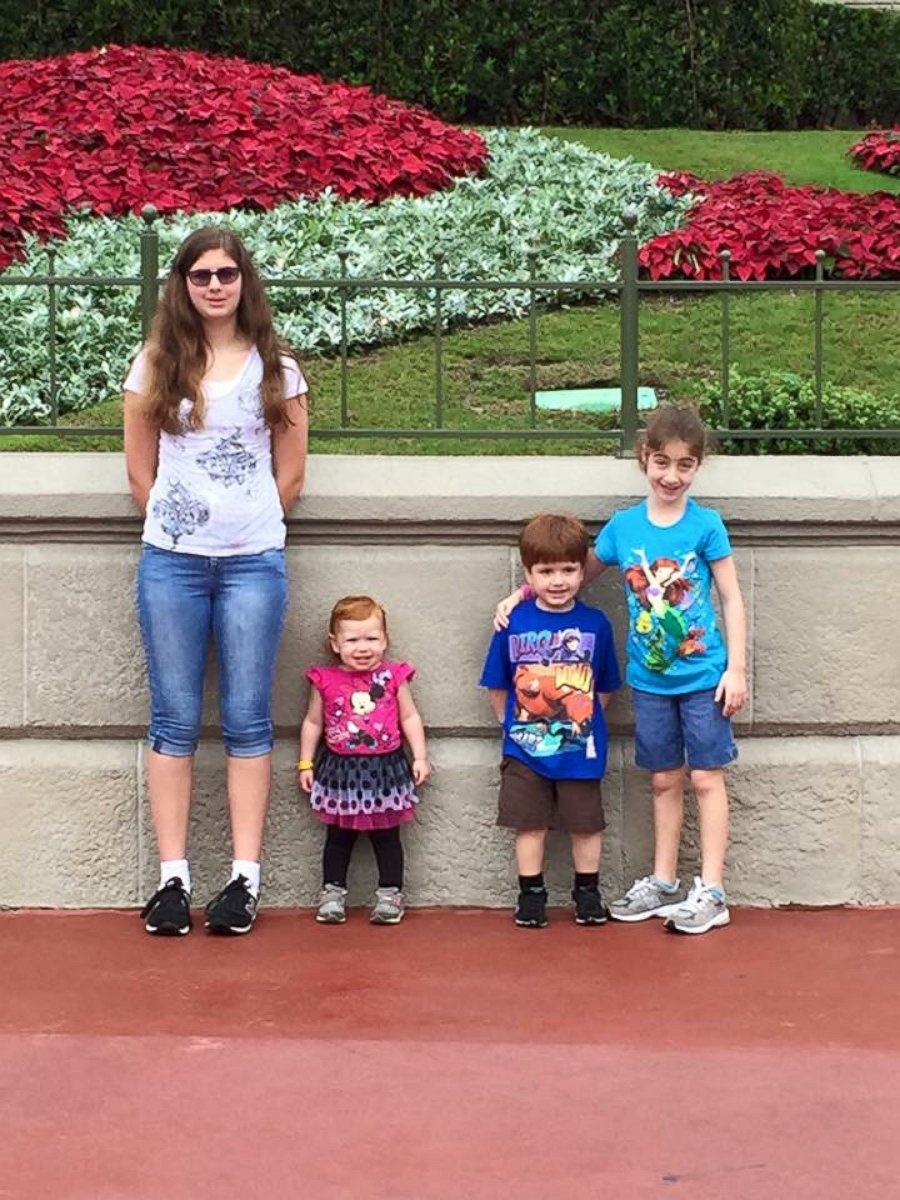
(527, 591)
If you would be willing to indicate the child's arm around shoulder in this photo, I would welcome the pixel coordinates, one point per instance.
(310, 735)
(414, 731)
(732, 687)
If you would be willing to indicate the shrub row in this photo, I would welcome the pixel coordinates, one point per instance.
(783, 400)
(754, 64)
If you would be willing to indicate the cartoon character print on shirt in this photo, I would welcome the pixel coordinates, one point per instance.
(229, 461)
(357, 727)
(553, 685)
(571, 648)
(180, 512)
(663, 592)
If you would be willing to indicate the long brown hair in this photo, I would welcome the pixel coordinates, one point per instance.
(177, 349)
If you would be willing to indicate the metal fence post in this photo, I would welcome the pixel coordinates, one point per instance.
(628, 332)
(52, 303)
(820, 275)
(438, 341)
(343, 255)
(725, 257)
(532, 339)
(149, 268)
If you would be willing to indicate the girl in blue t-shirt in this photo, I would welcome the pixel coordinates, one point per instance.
(687, 680)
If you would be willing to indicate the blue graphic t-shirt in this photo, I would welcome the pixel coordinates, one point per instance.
(552, 665)
(674, 643)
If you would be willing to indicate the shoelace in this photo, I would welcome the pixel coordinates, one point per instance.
(694, 897)
(238, 889)
(171, 885)
(641, 887)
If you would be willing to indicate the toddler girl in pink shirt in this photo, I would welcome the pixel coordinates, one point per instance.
(362, 780)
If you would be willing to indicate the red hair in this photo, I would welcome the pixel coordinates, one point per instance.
(637, 580)
(355, 608)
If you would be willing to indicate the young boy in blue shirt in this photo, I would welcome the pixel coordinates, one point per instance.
(549, 676)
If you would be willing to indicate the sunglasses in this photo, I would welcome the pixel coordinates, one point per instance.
(202, 276)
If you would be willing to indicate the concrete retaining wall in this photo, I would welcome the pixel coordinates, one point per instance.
(816, 804)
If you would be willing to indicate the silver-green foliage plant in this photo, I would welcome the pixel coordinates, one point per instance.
(557, 202)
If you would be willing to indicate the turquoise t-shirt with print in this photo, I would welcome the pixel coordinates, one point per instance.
(674, 643)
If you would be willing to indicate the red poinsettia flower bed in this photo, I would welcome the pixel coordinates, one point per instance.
(878, 152)
(773, 231)
(114, 129)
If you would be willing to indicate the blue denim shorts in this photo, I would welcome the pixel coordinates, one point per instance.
(670, 731)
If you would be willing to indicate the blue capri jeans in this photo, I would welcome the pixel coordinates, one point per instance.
(241, 601)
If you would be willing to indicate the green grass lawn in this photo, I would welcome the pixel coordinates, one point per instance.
(486, 369)
(809, 156)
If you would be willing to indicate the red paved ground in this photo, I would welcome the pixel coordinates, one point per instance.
(451, 1057)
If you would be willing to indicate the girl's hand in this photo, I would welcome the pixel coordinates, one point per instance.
(421, 770)
(505, 607)
(732, 690)
(306, 780)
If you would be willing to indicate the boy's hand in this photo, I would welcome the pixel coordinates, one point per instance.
(306, 780)
(421, 770)
(505, 607)
(732, 690)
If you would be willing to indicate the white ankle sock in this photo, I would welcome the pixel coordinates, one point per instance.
(172, 868)
(249, 870)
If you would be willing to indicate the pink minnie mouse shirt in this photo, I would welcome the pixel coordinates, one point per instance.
(360, 707)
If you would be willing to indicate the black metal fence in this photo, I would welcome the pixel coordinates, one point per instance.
(627, 290)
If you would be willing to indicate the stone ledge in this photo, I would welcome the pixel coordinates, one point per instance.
(856, 497)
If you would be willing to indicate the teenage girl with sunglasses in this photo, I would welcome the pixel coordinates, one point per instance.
(215, 446)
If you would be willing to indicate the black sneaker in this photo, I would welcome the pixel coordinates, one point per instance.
(233, 910)
(168, 910)
(589, 907)
(531, 909)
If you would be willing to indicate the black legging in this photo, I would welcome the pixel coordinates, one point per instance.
(388, 849)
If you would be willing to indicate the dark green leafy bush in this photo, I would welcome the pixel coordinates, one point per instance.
(855, 67)
(782, 400)
(718, 64)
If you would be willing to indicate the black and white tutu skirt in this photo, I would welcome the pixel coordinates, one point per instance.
(363, 791)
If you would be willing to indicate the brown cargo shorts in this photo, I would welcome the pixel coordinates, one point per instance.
(529, 801)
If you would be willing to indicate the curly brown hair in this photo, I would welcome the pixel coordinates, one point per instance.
(177, 347)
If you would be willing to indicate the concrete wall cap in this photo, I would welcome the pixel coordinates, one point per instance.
(33, 484)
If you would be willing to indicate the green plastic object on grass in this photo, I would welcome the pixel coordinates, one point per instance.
(600, 400)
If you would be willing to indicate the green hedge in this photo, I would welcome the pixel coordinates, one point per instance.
(783, 400)
(751, 64)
